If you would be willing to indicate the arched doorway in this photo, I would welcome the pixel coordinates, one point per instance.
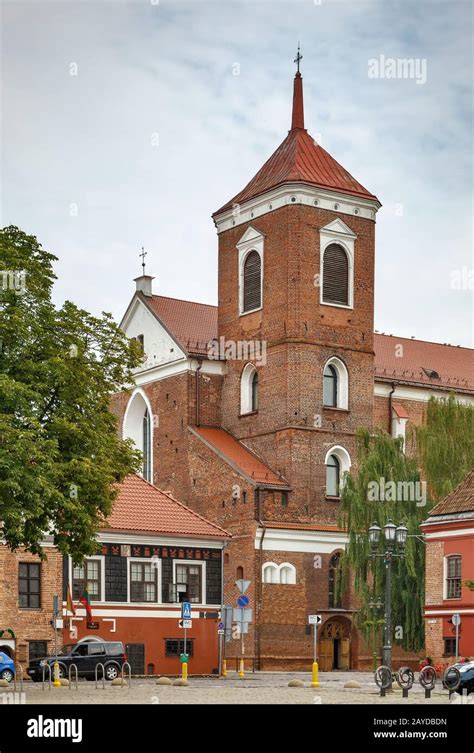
(8, 649)
(337, 644)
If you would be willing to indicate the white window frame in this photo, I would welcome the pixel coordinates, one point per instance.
(202, 564)
(157, 565)
(445, 576)
(246, 379)
(337, 232)
(342, 383)
(101, 559)
(273, 568)
(276, 571)
(292, 569)
(344, 463)
(140, 392)
(252, 240)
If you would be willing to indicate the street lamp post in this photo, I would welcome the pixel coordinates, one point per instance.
(394, 546)
(375, 605)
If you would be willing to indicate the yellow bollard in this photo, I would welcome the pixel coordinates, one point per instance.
(224, 668)
(241, 669)
(314, 675)
(184, 670)
(56, 681)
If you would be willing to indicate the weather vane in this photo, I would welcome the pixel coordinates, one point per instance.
(142, 256)
(298, 58)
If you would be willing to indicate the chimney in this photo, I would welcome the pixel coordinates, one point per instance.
(144, 285)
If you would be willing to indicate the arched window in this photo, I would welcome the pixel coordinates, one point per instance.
(336, 275)
(335, 384)
(137, 425)
(287, 574)
(270, 573)
(249, 389)
(330, 386)
(334, 598)
(239, 573)
(333, 476)
(252, 282)
(338, 463)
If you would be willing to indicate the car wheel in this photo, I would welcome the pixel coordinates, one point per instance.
(111, 672)
(7, 675)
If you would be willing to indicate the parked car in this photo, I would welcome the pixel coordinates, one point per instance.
(466, 670)
(86, 656)
(7, 667)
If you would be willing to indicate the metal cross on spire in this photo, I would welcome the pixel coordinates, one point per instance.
(142, 255)
(298, 58)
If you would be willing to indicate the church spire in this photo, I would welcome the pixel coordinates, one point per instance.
(297, 120)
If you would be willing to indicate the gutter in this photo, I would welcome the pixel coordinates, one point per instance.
(198, 392)
(259, 601)
(390, 403)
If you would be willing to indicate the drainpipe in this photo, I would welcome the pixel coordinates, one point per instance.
(222, 637)
(198, 393)
(390, 401)
(259, 604)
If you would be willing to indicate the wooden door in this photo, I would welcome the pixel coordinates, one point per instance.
(344, 655)
(326, 654)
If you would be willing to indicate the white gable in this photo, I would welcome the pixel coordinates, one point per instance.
(338, 227)
(160, 347)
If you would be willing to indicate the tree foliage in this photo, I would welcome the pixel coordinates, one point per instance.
(60, 454)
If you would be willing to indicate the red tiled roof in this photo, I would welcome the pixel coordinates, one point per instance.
(299, 159)
(455, 366)
(142, 507)
(400, 410)
(243, 459)
(461, 499)
(191, 324)
(195, 324)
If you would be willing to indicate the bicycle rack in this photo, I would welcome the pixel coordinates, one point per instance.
(129, 673)
(384, 679)
(427, 679)
(405, 678)
(46, 667)
(103, 675)
(19, 668)
(451, 680)
(75, 676)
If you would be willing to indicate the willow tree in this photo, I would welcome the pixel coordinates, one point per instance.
(443, 449)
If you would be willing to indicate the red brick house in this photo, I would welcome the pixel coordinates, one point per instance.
(249, 409)
(449, 535)
(155, 553)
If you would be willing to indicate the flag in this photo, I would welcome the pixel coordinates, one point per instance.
(86, 603)
(69, 602)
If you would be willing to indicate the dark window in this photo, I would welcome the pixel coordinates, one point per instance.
(332, 476)
(284, 499)
(37, 650)
(330, 386)
(175, 646)
(240, 573)
(449, 646)
(334, 598)
(96, 649)
(188, 583)
(29, 585)
(146, 447)
(255, 391)
(143, 581)
(86, 575)
(252, 298)
(335, 275)
(453, 577)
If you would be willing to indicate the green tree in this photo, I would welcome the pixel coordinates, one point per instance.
(60, 454)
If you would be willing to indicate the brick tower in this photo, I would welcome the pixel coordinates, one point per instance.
(296, 292)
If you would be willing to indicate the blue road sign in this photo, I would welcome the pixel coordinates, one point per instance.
(185, 610)
(243, 600)
(220, 626)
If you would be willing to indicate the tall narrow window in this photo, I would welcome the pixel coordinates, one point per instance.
(143, 581)
(189, 583)
(252, 298)
(146, 446)
(330, 386)
(332, 476)
(335, 275)
(87, 576)
(255, 391)
(334, 598)
(453, 577)
(29, 585)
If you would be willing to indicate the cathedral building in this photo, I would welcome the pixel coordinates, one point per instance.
(247, 411)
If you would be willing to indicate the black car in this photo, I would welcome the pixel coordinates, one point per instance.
(466, 670)
(86, 656)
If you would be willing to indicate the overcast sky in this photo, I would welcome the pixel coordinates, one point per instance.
(124, 125)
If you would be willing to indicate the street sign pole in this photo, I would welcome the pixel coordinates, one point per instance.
(242, 668)
(315, 620)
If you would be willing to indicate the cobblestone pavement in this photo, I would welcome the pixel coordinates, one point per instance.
(258, 688)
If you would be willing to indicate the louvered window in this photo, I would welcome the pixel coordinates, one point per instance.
(335, 275)
(252, 298)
